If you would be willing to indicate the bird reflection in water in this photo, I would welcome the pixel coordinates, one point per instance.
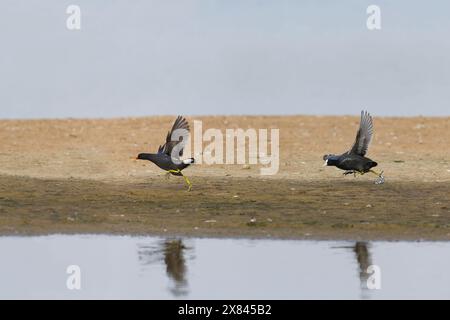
(361, 250)
(172, 253)
(364, 260)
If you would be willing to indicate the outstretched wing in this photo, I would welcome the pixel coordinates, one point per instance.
(180, 123)
(364, 135)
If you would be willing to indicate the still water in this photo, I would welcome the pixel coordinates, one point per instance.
(167, 268)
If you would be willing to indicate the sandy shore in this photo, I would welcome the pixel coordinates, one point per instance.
(77, 176)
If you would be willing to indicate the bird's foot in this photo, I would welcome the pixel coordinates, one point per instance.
(186, 179)
(380, 179)
(189, 185)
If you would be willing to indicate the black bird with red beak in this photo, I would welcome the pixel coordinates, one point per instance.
(354, 160)
(168, 155)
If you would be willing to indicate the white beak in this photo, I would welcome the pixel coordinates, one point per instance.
(326, 163)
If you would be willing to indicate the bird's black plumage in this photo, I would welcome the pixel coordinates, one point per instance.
(182, 127)
(354, 160)
(165, 162)
(168, 155)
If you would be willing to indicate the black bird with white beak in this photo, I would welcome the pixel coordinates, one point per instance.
(168, 155)
(354, 160)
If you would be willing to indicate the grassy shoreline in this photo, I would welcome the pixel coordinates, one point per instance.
(227, 207)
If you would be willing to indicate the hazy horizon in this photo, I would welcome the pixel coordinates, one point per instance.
(187, 115)
(217, 57)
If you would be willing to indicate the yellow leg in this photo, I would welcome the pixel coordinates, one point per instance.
(374, 172)
(184, 177)
(380, 179)
(187, 182)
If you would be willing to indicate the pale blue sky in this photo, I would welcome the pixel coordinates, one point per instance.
(193, 57)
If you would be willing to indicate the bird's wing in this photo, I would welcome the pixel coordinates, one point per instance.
(364, 135)
(180, 123)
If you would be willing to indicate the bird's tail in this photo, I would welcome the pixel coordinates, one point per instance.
(189, 161)
(373, 164)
